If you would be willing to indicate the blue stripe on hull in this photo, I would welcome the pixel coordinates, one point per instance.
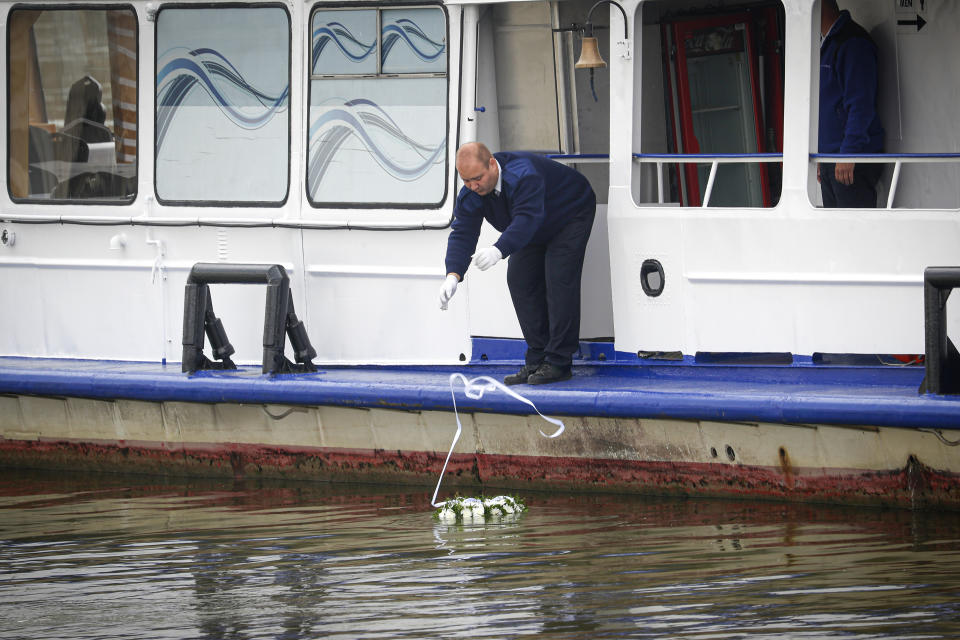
(877, 396)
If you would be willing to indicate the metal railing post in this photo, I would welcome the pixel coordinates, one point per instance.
(709, 191)
(659, 182)
(894, 182)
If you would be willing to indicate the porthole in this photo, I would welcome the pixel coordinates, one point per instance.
(651, 277)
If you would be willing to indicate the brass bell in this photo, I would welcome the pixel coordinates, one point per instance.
(590, 57)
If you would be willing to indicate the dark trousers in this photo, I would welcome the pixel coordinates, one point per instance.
(861, 194)
(544, 282)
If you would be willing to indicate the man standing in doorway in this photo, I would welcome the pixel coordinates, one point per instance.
(848, 109)
(544, 212)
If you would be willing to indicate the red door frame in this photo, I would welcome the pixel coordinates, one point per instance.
(679, 30)
(775, 75)
(665, 31)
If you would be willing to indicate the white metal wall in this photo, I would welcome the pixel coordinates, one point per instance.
(793, 278)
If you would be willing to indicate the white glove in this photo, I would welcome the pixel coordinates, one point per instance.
(447, 290)
(486, 258)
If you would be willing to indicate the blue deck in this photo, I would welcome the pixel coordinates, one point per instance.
(880, 396)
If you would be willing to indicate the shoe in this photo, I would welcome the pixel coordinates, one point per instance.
(520, 377)
(547, 373)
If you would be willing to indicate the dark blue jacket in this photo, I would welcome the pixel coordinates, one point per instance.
(848, 91)
(539, 196)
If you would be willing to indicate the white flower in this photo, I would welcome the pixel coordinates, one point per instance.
(471, 508)
(447, 514)
(502, 504)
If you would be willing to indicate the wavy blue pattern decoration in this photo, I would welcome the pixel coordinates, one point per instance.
(404, 30)
(407, 30)
(348, 44)
(208, 70)
(361, 118)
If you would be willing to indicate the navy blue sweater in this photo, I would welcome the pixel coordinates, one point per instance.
(848, 91)
(539, 196)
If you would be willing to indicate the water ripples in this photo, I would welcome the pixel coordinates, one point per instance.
(108, 557)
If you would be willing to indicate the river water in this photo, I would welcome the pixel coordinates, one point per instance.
(110, 556)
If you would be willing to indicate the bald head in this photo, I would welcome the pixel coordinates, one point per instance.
(474, 152)
(477, 167)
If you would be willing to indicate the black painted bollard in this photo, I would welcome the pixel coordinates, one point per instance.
(941, 358)
(280, 319)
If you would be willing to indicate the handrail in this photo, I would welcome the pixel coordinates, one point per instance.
(714, 159)
(578, 158)
(885, 158)
(703, 158)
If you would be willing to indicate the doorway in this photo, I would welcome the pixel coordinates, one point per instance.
(724, 80)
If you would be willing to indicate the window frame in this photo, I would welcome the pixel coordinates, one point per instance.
(114, 202)
(670, 162)
(274, 204)
(379, 7)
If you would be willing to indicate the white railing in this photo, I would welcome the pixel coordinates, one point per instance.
(714, 159)
(671, 158)
(897, 159)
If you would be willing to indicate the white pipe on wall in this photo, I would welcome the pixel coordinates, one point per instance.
(468, 70)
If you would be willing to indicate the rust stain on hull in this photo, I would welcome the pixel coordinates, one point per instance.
(238, 461)
(914, 486)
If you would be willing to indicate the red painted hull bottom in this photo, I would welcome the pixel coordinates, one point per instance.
(914, 486)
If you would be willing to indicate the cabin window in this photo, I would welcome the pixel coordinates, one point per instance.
(72, 104)
(223, 105)
(904, 147)
(378, 107)
(712, 105)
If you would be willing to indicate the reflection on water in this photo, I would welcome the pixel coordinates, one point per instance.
(122, 557)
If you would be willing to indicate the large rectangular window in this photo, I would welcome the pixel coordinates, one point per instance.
(223, 96)
(378, 107)
(712, 105)
(72, 104)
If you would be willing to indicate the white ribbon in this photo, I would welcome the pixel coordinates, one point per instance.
(474, 390)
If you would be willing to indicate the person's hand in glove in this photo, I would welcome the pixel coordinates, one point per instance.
(447, 290)
(486, 258)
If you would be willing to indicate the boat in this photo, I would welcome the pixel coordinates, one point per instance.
(223, 229)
